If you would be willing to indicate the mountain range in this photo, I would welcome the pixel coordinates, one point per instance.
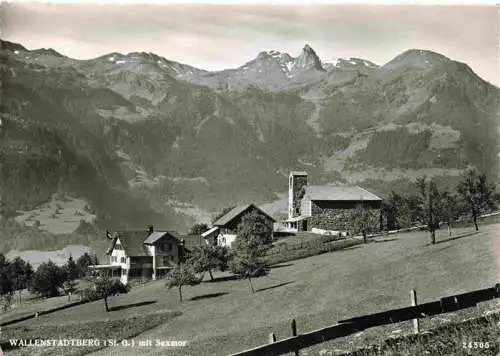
(142, 139)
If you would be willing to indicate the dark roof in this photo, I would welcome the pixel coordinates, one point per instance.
(132, 242)
(234, 213)
(341, 193)
(156, 235)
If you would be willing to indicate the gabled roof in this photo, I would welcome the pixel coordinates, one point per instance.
(340, 193)
(234, 213)
(132, 242)
(156, 235)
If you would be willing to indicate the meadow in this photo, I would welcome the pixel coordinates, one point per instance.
(222, 317)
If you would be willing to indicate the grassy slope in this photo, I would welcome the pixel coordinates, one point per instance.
(476, 336)
(317, 291)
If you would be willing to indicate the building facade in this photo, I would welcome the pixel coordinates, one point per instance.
(326, 207)
(142, 254)
(224, 229)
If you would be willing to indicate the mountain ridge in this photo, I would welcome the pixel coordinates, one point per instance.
(145, 139)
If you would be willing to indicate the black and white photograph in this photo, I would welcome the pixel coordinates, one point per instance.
(249, 178)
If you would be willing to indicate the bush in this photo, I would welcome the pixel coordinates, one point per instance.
(290, 252)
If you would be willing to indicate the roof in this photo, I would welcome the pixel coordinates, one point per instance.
(341, 193)
(156, 235)
(298, 173)
(132, 242)
(209, 232)
(234, 213)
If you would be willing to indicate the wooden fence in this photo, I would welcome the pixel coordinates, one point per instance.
(354, 325)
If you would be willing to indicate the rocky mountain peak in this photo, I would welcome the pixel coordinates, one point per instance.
(308, 59)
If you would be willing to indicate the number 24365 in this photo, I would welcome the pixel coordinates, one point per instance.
(475, 345)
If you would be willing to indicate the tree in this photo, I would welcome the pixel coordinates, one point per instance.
(363, 221)
(71, 269)
(69, 287)
(451, 210)
(198, 229)
(83, 263)
(20, 273)
(476, 194)
(6, 285)
(400, 210)
(255, 228)
(248, 260)
(182, 275)
(254, 235)
(104, 287)
(430, 206)
(47, 279)
(207, 258)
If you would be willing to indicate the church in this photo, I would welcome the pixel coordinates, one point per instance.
(326, 207)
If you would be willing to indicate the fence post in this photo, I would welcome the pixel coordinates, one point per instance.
(272, 338)
(294, 333)
(413, 295)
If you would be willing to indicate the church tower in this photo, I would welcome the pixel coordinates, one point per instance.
(297, 181)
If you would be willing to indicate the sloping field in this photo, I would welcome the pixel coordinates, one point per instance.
(223, 317)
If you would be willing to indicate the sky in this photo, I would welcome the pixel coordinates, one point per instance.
(220, 36)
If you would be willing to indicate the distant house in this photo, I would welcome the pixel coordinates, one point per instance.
(223, 231)
(326, 206)
(142, 254)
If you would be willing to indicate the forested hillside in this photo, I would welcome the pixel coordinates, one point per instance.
(145, 140)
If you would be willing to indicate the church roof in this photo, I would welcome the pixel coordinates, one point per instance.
(340, 193)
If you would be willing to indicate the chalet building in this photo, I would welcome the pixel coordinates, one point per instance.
(325, 207)
(142, 254)
(223, 231)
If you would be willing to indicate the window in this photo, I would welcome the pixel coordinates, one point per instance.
(124, 272)
(167, 259)
(167, 246)
(123, 260)
(118, 246)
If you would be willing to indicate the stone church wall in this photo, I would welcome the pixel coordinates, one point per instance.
(340, 220)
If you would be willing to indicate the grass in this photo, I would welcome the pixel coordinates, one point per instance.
(223, 317)
(471, 337)
(109, 329)
(31, 303)
(30, 306)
